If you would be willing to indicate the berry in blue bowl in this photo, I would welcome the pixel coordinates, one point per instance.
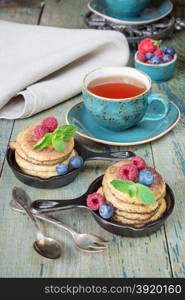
(157, 61)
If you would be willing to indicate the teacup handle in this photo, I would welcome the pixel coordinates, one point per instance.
(164, 100)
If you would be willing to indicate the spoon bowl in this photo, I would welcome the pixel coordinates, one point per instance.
(48, 248)
(45, 246)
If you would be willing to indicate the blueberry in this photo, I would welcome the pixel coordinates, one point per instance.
(166, 58)
(149, 55)
(76, 161)
(163, 48)
(170, 51)
(145, 177)
(155, 60)
(106, 211)
(61, 169)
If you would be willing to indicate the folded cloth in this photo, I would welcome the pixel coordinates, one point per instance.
(42, 66)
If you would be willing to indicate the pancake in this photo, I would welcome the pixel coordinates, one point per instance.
(42, 171)
(131, 214)
(112, 173)
(26, 140)
(135, 216)
(43, 175)
(130, 210)
(19, 151)
(40, 163)
(121, 204)
(135, 223)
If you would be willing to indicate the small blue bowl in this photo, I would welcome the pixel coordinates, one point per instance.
(161, 72)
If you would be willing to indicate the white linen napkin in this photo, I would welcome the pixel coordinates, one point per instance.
(41, 66)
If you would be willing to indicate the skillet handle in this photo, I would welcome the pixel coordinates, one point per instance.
(90, 155)
(114, 156)
(49, 206)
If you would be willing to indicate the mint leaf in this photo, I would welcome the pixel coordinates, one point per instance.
(58, 144)
(125, 186)
(145, 194)
(132, 190)
(57, 138)
(44, 142)
(68, 132)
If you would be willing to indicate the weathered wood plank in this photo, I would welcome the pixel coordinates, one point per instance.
(179, 8)
(169, 160)
(64, 13)
(169, 155)
(5, 127)
(21, 14)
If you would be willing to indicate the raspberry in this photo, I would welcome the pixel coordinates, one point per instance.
(50, 123)
(128, 172)
(40, 131)
(148, 61)
(138, 162)
(141, 57)
(95, 200)
(147, 45)
(159, 53)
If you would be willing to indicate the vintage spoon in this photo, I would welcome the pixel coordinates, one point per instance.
(45, 246)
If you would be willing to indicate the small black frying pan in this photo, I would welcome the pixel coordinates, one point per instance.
(61, 180)
(46, 206)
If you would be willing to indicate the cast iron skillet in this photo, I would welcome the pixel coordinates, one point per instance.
(46, 206)
(61, 180)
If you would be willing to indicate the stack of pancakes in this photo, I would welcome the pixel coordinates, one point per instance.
(132, 211)
(41, 163)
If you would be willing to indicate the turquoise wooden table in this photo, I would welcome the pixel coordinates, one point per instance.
(159, 255)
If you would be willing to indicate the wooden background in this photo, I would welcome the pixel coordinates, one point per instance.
(159, 255)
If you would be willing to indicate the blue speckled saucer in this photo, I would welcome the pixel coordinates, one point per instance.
(154, 12)
(144, 132)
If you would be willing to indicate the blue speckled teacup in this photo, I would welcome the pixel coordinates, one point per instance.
(127, 8)
(120, 114)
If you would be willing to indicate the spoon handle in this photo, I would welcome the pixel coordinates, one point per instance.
(46, 206)
(56, 222)
(23, 199)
